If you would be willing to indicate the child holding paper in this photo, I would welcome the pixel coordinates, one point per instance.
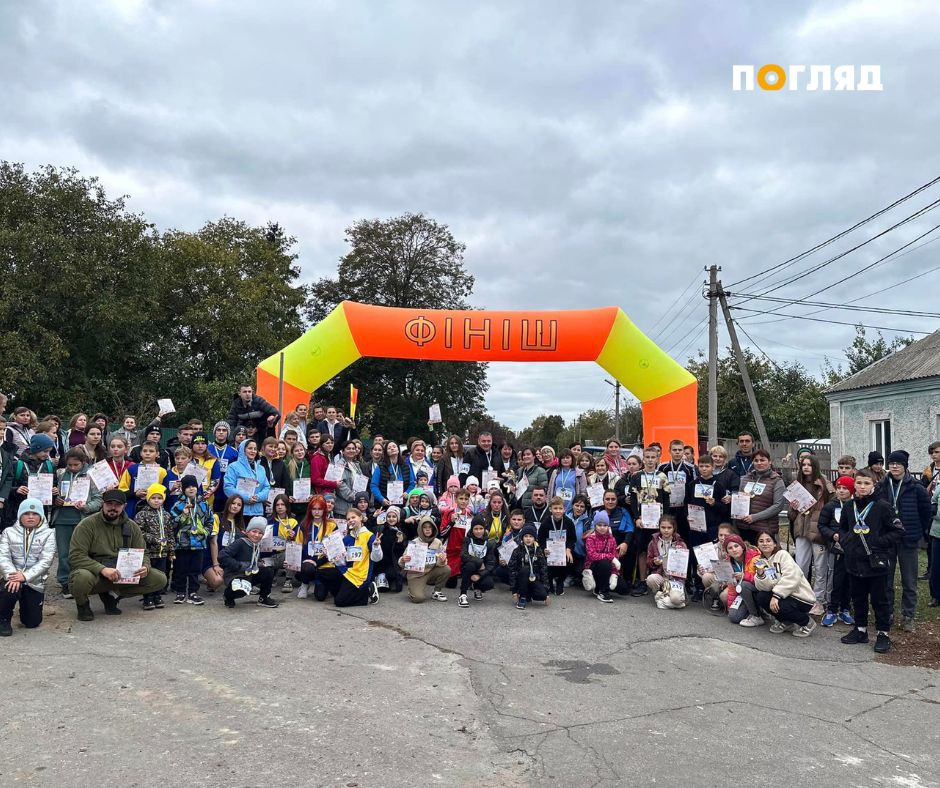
(716, 594)
(782, 590)
(298, 469)
(78, 497)
(804, 525)
(477, 562)
(35, 460)
(648, 486)
(174, 475)
(669, 589)
(192, 527)
(454, 527)
(706, 511)
(26, 553)
(357, 587)
(829, 519)
(528, 570)
(285, 529)
(436, 570)
(392, 539)
(315, 568)
(742, 607)
(241, 561)
(513, 538)
(557, 529)
(137, 477)
(157, 527)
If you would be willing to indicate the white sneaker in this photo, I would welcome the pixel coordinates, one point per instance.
(439, 596)
(287, 587)
(612, 583)
(752, 621)
(462, 601)
(818, 609)
(805, 631)
(778, 627)
(302, 591)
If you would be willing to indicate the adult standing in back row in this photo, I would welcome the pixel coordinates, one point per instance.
(765, 486)
(248, 408)
(340, 430)
(741, 464)
(482, 461)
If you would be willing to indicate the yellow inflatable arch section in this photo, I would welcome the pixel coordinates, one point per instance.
(667, 391)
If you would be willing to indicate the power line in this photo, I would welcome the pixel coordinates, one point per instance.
(773, 363)
(676, 321)
(835, 258)
(876, 309)
(838, 322)
(669, 309)
(687, 334)
(828, 241)
(877, 292)
(853, 273)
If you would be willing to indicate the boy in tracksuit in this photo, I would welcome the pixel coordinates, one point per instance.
(912, 506)
(192, 526)
(241, 563)
(157, 527)
(477, 562)
(528, 570)
(870, 532)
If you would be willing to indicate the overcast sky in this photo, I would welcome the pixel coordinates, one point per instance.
(588, 154)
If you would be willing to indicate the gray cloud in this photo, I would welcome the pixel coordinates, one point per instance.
(588, 155)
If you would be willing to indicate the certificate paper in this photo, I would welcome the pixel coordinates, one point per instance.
(147, 475)
(556, 555)
(434, 414)
(677, 563)
(40, 486)
(418, 553)
(103, 477)
(506, 549)
(797, 493)
(293, 555)
(129, 560)
(334, 472)
(706, 554)
(650, 514)
(740, 505)
(301, 490)
(246, 487)
(395, 490)
(697, 518)
(360, 482)
(596, 495)
(79, 490)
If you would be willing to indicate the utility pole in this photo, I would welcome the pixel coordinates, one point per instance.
(713, 355)
(616, 407)
(742, 366)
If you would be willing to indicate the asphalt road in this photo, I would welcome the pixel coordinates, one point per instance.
(399, 694)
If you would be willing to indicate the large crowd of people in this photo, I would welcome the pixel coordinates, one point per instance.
(264, 505)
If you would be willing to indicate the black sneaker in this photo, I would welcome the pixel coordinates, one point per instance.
(855, 636)
(149, 604)
(180, 599)
(603, 597)
(697, 595)
(85, 612)
(374, 594)
(639, 588)
(195, 599)
(5, 629)
(882, 643)
(477, 594)
(159, 603)
(520, 605)
(229, 602)
(110, 604)
(266, 601)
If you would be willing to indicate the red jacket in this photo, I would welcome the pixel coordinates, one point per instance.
(749, 555)
(600, 548)
(319, 462)
(453, 535)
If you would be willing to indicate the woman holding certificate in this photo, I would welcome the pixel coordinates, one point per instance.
(248, 479)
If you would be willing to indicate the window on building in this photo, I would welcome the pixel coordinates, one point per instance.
(881, 436)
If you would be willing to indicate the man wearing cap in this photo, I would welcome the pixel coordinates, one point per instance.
(93, 556)
(912, 505)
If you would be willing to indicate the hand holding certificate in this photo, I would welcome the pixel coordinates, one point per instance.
(417, 556)
(798, 494)
(740, 505)
(129, 562)
(677, 563)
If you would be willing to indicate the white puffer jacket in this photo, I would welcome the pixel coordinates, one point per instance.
(36, 565)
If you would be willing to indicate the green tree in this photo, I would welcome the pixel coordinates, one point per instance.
(408, 261)
(862, 353)
(229, 301)
(790, 399)
(77, 268)
(543, 431)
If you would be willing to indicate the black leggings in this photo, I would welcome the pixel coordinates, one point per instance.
(485, 583)
(328, 581)
(841, 588)
(263, 578)
(349, 595)
(30, 605)
(530, 589)
(792, 611)
(187, 566)
(877, 589)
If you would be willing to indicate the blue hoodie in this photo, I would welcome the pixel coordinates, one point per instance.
(241, 469)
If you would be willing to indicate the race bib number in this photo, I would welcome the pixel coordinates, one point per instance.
(704, 490)
(565, 494)
(354, 553)
(226, 539)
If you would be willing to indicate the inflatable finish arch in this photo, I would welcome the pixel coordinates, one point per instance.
(667, 391)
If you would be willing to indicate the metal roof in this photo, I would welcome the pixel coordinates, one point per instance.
(920, 359)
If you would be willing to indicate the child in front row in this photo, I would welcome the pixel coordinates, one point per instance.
(528, 570)
(669, 590)
(26, 552)
(477, 562)
(157, 527)
(241, 562)
(601, 566)
(193, 527)
(513, 534)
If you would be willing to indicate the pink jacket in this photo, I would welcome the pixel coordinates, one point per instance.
(599, 548)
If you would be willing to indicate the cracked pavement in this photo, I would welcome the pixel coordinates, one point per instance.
(399, 694)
